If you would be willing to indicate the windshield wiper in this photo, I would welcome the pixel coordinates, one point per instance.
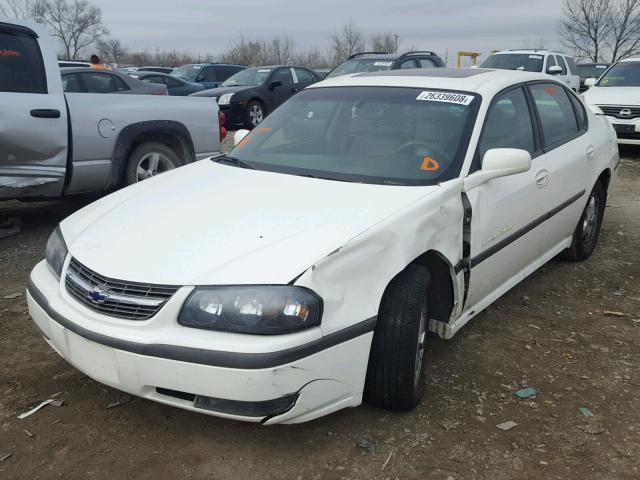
(233, 161)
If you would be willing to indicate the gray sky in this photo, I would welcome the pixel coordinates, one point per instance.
(212, 26)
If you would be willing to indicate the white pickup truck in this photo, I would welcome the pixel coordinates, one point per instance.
(55, 144)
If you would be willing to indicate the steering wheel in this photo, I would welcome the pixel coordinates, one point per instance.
(433, 151)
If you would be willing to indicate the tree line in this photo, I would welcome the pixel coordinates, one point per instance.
(591, 30)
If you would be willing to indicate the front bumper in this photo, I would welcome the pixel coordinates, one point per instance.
(235, 114)
(290, 385)
(627, 131)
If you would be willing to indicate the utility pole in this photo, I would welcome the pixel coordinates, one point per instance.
(397, 37)
(276, 50)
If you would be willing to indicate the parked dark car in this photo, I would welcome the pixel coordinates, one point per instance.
(93, 80)
(176, 86)
(210, 75)
(590, 70)
(250, 95)
(377, 61)
(156, 69)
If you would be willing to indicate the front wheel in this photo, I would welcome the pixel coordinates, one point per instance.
(150, 159)
(587, 232)
(255, 114)
(395, 375)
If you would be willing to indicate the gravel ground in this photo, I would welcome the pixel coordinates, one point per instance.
(551, 332)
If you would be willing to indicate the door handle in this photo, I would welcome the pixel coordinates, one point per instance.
(591, 152)
(542, 178)
(45, 113)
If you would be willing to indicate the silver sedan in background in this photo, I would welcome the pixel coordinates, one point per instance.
(97, 80)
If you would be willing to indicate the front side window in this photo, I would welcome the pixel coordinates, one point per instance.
(224, 72)
(426, 63)
(623, 74)
(158, 80)
(361, 66)
(561, 64)
(283, 76)
(515, 61)
(21, 66)
(187, 72)
(556, 112)
(72, 83)
(382, 135)
(408, 64)
(508, 124)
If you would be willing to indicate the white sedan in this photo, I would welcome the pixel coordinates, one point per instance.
(616, 94)
(300, 274)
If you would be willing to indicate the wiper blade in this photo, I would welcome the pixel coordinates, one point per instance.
(234, 161)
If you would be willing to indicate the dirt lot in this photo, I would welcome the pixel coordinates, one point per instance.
(551, 333)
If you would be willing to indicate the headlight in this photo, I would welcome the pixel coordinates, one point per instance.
(260, 310)
(225, 99)
(56, 251)
(595, 109)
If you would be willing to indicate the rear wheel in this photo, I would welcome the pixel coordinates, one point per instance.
(587, 232)
(150, 159)
(395, 375)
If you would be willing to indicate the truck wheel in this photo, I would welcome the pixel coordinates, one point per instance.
(255, 114)
(150, 159)
(395, 375)
(585, 236)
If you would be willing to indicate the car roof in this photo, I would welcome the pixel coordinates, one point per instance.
(592, 63)
(65, 70)
(479, 80)
(532, 51)
(213, 65)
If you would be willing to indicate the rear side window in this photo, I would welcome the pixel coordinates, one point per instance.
(581, 114)
(222, 73)
(556, 113)
(72, 84)
(408, 64)
(426, 63)
(304, 76)
(103, 83)
(209, 74)
(159, 80)
(508, 124)
(21, 66)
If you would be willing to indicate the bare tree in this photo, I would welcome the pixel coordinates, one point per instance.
(624, 35)
(384, 42)
(311, 58)
(347, 41)
(76, 23)
(585, 26)
(22, 9)
(111, 50)
(244, 52)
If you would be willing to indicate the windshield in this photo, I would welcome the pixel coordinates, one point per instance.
(624, 74)
(591, 71)
(515, 61)
(383, 135)
(360, 66)
(187, 72)
(251, 77)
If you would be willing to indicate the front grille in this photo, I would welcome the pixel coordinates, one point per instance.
(628, 136)
(614, 111)
(116, 298)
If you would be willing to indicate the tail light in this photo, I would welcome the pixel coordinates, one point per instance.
(221, 119)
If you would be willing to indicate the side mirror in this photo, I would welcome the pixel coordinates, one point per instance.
(275, 84)
(200, 78)
(554, 70)
(499, 162)
(239, 136)
(590, 82)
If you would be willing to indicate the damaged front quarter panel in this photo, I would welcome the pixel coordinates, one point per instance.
(352, 279)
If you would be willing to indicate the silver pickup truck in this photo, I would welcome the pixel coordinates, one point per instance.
(55, 144)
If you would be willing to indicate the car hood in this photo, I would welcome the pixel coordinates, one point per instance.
(613, 96)
(212, 224)
(217, 92)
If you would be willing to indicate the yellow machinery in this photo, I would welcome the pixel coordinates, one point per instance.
(473, 55)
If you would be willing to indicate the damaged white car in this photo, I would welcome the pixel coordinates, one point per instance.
(301, 273)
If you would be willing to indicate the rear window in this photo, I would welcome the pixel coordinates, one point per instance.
(515, 61)
(21, 66)
(361, 66)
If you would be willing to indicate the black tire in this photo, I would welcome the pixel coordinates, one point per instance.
(397, 349)
(141, 156)
(585, 236)
(254, 108)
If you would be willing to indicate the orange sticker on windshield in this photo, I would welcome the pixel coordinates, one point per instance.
(264, 130)
(429, 165)
(550, 90)
(244, 142)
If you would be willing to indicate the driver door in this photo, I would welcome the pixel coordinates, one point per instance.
(284, 90)
(504, 238)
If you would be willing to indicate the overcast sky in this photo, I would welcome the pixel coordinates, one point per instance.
(212, 26)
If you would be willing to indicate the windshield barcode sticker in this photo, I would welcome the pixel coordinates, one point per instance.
(446, 97)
